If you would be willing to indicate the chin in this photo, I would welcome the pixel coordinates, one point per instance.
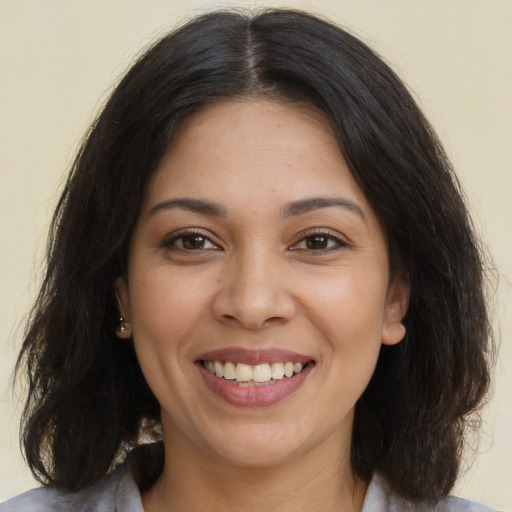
(256, 458)
(261, 446)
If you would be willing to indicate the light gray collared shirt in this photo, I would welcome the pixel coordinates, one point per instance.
(118, 492)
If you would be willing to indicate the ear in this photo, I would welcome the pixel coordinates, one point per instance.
(397, 302)
(120, 290)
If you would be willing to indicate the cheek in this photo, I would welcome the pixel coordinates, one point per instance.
(166, 308)
(349, 307)
(348, 312)
(165, 304)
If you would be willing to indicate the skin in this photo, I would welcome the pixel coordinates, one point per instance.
(258, 278)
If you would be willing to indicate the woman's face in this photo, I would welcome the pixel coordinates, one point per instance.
(255, 248)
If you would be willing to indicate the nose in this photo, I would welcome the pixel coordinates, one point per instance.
(254, 292)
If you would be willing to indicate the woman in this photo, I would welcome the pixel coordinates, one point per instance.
(262, 257)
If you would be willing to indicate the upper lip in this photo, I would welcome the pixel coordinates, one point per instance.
(254, 356)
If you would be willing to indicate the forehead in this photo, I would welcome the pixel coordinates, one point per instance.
(253, 145)
(253, 159)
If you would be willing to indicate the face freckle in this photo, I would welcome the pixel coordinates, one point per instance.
(295, 264)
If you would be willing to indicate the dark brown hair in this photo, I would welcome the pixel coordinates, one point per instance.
(87, 397)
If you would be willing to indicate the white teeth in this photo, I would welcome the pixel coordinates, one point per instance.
(243, 372)
(260, 374)
(288, 369)
(277, 371)
(219, 369)
(229, 370)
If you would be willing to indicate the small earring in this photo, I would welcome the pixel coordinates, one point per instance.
(122, 327)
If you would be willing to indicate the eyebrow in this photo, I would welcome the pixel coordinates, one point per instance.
(310, 204)
(292, 209)
(192, 205)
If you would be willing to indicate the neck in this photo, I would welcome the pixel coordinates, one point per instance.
(322, 480)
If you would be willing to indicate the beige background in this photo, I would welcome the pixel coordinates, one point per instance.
(58, 60)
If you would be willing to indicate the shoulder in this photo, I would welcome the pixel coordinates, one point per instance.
(379, 498)
(454, 504)
(117, 491)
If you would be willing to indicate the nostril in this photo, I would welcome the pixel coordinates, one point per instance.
(252, 308)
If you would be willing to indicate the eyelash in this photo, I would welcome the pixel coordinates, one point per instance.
(171, 242)
(338, 242)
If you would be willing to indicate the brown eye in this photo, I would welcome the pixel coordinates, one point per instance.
(193, 242)
(190, 242)
(317, 242)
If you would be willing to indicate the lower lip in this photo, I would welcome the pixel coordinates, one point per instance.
(254, 396)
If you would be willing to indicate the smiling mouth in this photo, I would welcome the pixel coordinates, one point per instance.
(246, 375)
